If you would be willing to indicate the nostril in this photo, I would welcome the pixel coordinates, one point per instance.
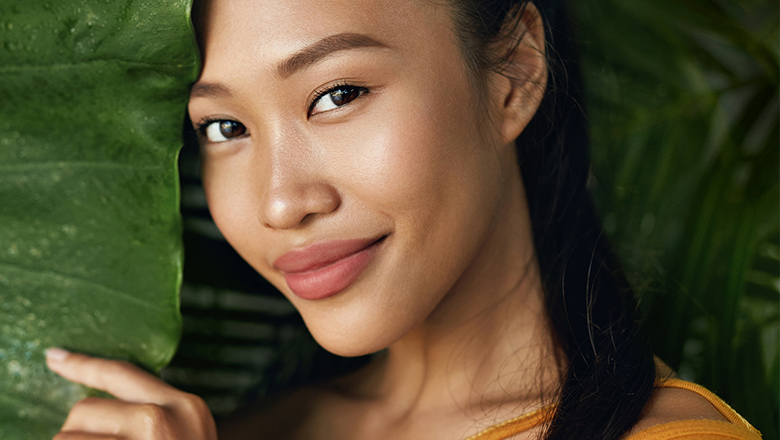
(307, 218)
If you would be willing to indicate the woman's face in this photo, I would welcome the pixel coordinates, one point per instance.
(345, 159)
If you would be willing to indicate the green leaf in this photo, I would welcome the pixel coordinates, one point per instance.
(92, 100)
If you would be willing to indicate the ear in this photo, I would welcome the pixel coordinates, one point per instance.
(520, 86)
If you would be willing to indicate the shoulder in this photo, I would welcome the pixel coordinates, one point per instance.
(682, 409)
(675, 404)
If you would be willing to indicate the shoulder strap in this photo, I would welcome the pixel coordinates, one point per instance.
(737, 428)
(724, 409)
(696, 430)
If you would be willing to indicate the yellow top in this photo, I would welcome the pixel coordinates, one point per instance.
(737, 428)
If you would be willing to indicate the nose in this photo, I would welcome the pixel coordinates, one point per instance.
(288, 205)
(295, 191)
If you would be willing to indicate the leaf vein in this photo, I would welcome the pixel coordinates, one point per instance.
(28, 67)
(96, 286)
(76, 164)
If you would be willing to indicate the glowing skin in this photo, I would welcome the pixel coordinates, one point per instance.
(412, 158)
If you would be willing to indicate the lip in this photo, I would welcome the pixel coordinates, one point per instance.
(325, 269)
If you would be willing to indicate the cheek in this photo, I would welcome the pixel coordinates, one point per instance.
(225, 204)
(423, 167)
(230, 193)
(398, 164)
(410, 154)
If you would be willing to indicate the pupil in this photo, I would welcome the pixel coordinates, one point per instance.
(231, 129)
(344, 95)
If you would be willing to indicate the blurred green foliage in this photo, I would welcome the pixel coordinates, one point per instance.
(683, 101)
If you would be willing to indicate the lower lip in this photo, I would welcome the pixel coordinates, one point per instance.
(333, 278)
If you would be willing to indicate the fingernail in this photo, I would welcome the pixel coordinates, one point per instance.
(56, 354)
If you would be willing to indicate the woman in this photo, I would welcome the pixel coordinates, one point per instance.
(363, 157)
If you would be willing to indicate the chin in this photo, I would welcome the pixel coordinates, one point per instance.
(346, 349)
(393, 296)
(354, 337)
(347, 346)
(360, 322)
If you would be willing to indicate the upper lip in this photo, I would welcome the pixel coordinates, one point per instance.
(322, 254)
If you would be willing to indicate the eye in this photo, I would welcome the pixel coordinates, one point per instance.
(335, 97)
(221, 131)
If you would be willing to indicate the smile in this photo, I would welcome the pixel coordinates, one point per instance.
(325, 269)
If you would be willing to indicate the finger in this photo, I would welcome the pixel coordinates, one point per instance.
(119, 418)
(85, 436)
(121, 379)
(94, 415)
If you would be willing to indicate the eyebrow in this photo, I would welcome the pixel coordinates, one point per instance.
(297, 62)
(321, 49)
(201, 89)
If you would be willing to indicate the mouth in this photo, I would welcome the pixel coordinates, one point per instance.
(325, 269)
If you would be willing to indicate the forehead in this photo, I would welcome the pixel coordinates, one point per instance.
(264, 32)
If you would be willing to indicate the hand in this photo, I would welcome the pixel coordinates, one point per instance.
(147, 408)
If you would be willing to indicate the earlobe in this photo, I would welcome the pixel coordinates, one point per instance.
(523, 78)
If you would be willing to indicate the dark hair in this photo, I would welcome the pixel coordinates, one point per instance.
(609, 368)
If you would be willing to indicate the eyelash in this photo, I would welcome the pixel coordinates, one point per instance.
(324, 91)
(200, 127)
